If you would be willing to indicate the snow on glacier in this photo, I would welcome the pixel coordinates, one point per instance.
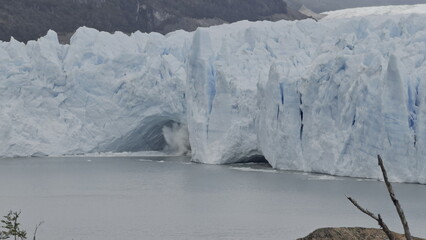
(381, 11)
(322, 96)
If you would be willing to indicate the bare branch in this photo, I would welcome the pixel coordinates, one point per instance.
(394, 200)
(377, 218)
(36, 228)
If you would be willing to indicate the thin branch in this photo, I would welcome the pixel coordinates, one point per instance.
(377, 218)
(36, 228)
(394, 200)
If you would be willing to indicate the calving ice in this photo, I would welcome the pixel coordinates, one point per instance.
(323, 96)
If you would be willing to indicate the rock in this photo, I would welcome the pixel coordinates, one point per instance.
(353, 233)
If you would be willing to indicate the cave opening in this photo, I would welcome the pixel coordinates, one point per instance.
(256, 160)
(156, 133)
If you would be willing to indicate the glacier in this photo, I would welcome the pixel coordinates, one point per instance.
(323, 96)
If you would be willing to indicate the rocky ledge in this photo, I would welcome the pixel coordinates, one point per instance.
(353, 233)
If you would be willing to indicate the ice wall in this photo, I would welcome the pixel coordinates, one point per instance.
(359, 96)
(102, 92)
(322, 96)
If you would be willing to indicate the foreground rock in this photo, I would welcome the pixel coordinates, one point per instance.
(354, 233)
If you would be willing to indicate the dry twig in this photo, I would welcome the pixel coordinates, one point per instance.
(394, 200)
(377, 218)
(36, 229)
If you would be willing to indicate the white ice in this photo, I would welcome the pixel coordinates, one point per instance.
(322, 96)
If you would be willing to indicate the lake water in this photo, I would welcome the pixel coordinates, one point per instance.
(171, 198)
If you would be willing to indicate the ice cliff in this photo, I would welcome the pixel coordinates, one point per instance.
(322, 96)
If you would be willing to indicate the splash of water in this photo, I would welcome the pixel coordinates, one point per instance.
(177, 139)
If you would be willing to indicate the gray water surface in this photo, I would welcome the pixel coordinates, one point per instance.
(171, 198)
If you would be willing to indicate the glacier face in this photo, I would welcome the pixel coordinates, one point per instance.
(322, 96)
(100, 93)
